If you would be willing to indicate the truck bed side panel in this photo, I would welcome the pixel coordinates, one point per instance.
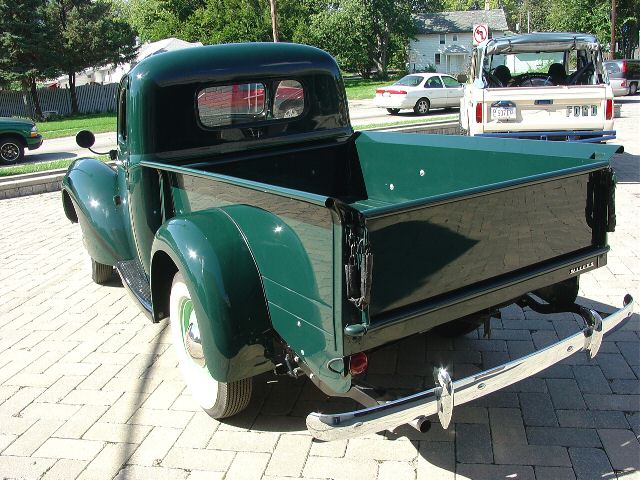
(292, 243)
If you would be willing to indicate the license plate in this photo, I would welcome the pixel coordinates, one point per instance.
(503, 113)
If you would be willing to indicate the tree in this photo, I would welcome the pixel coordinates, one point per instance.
(22, 41)
(363, 34)
(86, 33)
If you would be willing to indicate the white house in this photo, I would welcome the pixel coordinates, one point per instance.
(445, 41)
(111, 74)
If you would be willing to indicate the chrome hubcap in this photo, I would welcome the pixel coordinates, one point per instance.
(191, 333)
(9, 152)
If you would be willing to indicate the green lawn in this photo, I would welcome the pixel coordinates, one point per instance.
(41, 166)
(97, 123)
(359, 89)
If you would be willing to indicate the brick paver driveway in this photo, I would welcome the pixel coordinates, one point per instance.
(90, 389)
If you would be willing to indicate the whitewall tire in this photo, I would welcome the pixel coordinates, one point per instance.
(218, 399)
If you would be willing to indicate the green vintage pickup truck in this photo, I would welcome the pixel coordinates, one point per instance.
(245, 209)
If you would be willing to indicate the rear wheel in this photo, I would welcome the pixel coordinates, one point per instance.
(633, 89)
(393, 111)
(422, 106)
(218, 399)
(11, 150)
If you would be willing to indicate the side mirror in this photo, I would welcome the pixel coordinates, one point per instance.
(85, 139)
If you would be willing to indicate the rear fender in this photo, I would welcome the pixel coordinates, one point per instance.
(89, 191)
(222, 277)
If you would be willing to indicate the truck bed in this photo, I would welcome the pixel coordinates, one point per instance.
(455, 224)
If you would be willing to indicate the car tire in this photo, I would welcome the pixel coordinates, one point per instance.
(422, 106)
(461, 130)
(101, 273)
(633, 89)
(393, 111)
(217, 399)
(11, 150)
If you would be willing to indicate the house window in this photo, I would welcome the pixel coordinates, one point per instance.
(455, 37)
(443, 38)
(437, 59)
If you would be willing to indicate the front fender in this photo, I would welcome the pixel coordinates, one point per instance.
(222, 277)
(92, 186)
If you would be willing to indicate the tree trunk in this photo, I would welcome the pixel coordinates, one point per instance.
(27, 98)
(72, 93)
(34, 97)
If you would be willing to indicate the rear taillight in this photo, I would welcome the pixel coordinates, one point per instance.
(479, 112)
(397, 92)
(623, 67)
(380, 90)
(609, 109)
(623, 83)
(358, 363)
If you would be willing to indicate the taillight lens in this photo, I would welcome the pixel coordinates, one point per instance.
(358, 363)
(623, 68)
(397, 92)
(609, 109)
(623, 83)
(380, 90)
(479, 112)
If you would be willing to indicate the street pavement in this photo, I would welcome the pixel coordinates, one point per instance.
(90, 389)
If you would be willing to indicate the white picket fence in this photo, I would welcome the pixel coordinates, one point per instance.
(91, 99)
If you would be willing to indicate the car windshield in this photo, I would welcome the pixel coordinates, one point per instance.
(410, 81)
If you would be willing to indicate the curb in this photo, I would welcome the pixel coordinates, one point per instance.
(49, 181)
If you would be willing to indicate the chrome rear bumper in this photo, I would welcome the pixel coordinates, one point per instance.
(447, 394)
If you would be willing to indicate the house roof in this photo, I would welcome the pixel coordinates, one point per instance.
(460, 21)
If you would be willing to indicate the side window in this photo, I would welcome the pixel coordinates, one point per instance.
(122, 113)
(288, 101)
(455, 37)
(233, 104)
(433, 82)
(450, 82)
(443, 38)
(437, 59)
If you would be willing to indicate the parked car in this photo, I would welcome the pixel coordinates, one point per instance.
(624, 76)
(420, 92)
(548, 86)
(16, 134)
(295, 245)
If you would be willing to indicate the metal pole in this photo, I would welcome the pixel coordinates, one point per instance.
(528, 21)
(612, 50)
(274, 20)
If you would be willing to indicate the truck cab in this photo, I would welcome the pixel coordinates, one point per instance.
(539, 86)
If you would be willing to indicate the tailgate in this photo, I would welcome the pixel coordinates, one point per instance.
(450, 213)
(576, 107)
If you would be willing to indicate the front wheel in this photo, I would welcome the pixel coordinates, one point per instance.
(218, 399)
(101, 273)
(422, 106)
(11, 150)
(393, 111)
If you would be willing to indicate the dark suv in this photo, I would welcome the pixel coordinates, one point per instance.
(623, 75)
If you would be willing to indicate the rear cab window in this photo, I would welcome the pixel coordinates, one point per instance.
(249, 103)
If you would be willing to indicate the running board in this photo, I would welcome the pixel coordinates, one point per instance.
(137, 284)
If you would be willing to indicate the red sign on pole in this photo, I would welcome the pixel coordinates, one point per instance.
(480, 33)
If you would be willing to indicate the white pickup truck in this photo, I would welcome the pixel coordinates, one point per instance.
(549, 86)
